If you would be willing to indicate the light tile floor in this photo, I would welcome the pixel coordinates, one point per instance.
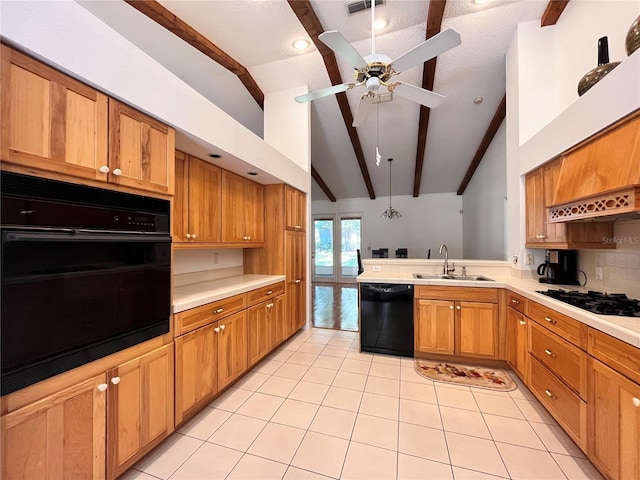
(317, 408)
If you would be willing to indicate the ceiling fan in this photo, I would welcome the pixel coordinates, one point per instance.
(377, 70)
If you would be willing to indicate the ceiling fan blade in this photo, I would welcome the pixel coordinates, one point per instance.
(324, 92)
(336, 42)
(419, 95)
(428, 49)
(363, 110)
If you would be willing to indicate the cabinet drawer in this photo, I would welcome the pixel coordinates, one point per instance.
(469, 294)
(200, 316)
(615, 353)
(567, 327)
(565, 406)
(517, 302)
(262, 294)
(564, 359)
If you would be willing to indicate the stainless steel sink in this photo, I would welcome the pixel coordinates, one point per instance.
(470, 278)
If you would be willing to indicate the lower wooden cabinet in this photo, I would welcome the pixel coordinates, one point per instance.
(296, 305)
(517, 355)
(60, 436)
(265, 328)
(139, 407)
(433, 326)
(476, 329)
(614, 423)
(232, 348)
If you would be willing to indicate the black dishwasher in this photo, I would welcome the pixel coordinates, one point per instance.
(386, 318)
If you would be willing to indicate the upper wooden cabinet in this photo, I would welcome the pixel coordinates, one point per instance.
(242, 210)
(50, 121)
(296, 209)
(197, 216)
(141, 150)
(60, 436)
(540, 187)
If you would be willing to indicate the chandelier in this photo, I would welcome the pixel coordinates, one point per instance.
(390, 212)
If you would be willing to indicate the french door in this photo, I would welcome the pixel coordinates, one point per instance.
(337, 237)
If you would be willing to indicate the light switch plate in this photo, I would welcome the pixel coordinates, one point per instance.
(598, 273)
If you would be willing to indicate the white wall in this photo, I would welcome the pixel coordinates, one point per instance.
(190, 261)
(427, 222)
(483, 204)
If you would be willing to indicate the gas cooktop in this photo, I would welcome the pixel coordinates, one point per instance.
(598, 302)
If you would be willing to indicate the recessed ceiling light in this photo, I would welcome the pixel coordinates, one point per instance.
(301, 44)
(478, 100)
(379, 24)
(215, 155)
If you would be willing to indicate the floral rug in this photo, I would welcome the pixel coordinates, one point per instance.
(467, 375)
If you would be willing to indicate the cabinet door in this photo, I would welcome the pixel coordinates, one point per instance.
(61, 436)
(180, 201)
(141, 150)
(140, 407)
(258, 318)
(535, 207)
(277, 321)
(205, 215)
(613, 440)
(196, 376)
(433, 326)
(233, 224)
(232, 348)
(296, 209)
(254, 211)
(295, 307)
(50, 121)
(517, 342)
(476, 329)
(553, 232)
(301, 201)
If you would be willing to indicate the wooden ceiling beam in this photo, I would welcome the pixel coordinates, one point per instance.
(434, 25)
(316, 176)
(307, 17)
(552, 12)
(159, 14)
(496, 121)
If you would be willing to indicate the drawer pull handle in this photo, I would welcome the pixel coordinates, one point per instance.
(636, 402)
(549, 394)
(269, 292)
(218, 310)
(513, 300)
(550, 353)
(522, 322)
(550, 320)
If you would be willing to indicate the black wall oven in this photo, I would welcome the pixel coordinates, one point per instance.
(86, 272)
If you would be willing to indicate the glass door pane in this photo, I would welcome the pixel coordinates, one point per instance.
(350, 241)
(323, 251)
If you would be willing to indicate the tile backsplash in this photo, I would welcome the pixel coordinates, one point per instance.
(620, 267)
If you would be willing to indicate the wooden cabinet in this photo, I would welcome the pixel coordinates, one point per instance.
(197, 216)
(540, 188)
(232, 348)
(242, 210)
(517, 353)
(50, 121)
(59, 436)
(295, 272)
(433, 326)
(140, 408)
(614, 423)
(141, 150)
(447, 321)
(265, 328)
(296, 207)
(278, 316)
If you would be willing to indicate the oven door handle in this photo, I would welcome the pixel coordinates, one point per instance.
(71, 235)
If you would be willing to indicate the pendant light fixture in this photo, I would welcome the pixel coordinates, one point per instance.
(390, 212)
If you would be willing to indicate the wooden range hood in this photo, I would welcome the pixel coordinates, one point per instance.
(600, 178)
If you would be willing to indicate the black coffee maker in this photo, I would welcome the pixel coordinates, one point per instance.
(559, 267)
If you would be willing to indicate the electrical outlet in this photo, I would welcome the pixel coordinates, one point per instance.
(598, 273)
(377, 268)
(528, 259)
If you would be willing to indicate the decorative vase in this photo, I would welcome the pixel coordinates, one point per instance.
(632, 42)
(604, 66)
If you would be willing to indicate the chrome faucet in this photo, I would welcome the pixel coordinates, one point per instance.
(446, 269)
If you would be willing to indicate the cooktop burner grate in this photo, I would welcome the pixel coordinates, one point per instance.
(598, 302)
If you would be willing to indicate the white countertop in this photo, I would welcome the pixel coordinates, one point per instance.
(626, 329)
(197, 294)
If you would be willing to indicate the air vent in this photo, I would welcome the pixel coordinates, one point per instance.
(361, 6)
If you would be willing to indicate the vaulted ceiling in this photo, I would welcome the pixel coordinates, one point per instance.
(251, 41)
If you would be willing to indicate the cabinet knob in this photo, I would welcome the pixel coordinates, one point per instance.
(117, 172)
(550, 353)
(522, 322)
(218, 310)
(221, 327)
(193, 235)
(451, 307)
(550, 320)
(115, 380)
(188, 235)
(249, 237)
(457, 307)
(636, 402)
(549, 394)
(217, 329)
(269, 292)
(269, 305)
(102, 387)
(104, 169)
(298, 281)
